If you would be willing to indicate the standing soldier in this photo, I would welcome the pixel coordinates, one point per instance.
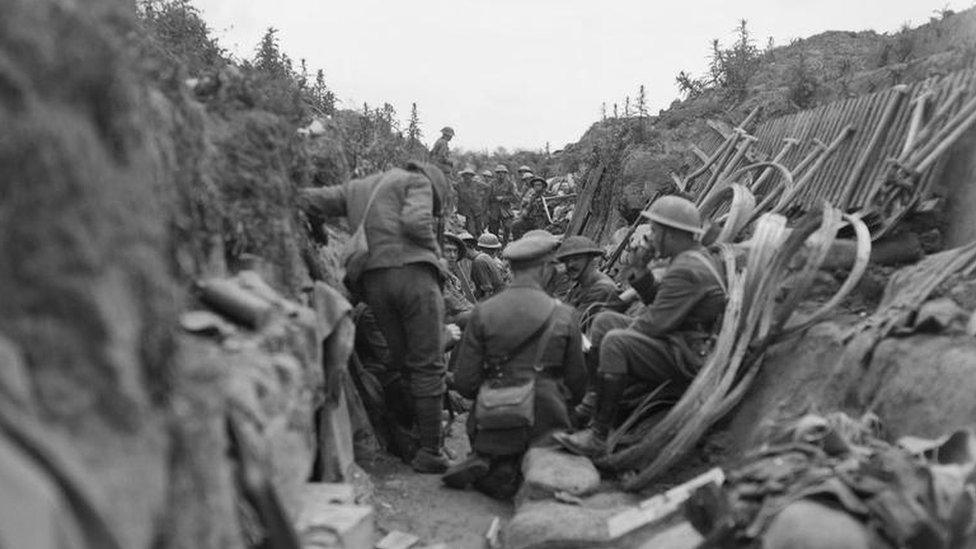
(440, 156)
(400, 211)
(502, 198)
(471, 204)
(440, 153)
(669, 340)
(533, 214)
(519, 338)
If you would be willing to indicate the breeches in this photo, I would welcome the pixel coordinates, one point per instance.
(650, 359)
(409, 310)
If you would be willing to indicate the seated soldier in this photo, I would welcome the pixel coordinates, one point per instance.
(590, 293)
(458, 291)
(522, 335)
(487, 271)
(669, 340)
(591, 289)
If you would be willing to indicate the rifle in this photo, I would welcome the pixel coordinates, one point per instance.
(619, 250)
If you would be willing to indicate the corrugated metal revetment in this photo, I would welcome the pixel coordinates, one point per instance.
(837, 180)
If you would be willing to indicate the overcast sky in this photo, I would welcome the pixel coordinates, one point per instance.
(519, 73)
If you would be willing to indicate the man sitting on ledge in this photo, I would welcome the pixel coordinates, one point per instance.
(671, 337)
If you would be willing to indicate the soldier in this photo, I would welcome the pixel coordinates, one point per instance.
(502, 197)
(519, 338)
(591, 291)
(440, 153)
(400, 211)
(533, 214)
(471, 201)
(525, 186)
(671, 337)
(487, 276)
(456, 252)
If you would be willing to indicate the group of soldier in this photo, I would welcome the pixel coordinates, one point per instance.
(492, 201)
(464, 313)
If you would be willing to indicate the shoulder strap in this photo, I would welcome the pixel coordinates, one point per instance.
(542, 331)
(369, 203)
(711, 267)
(544, 342)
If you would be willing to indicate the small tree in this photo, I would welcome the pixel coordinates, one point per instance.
(641, 102)
(177, 28)
(603, 111)
(627, 106)
(269, 58)
(413, 127)
(615, 112)
(322, 97)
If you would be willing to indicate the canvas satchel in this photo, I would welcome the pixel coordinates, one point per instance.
(508, 404)
(355, 252)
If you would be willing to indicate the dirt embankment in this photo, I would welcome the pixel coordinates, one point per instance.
(638, 154)
(119, 189)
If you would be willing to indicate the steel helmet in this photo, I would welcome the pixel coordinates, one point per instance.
(447, 130)
(536, 179)
(524, 168)
(578, 245)
(456, 239)
(467, 171)
(501, 168)
(675, 212)
(487, 173)
(465, 236)
(489, 241)
(527, 175)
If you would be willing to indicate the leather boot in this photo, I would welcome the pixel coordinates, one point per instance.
(469, 471)
(583, 412)
(430, 457)
(592, 441)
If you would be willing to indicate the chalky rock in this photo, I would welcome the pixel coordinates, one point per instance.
(552, 524)
(548, 471)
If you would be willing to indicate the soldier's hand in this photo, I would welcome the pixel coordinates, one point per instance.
(454, 332)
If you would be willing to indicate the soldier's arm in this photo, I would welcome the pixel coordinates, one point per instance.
(324, 201)
(677, 295)
(417, 214)
(469, 372)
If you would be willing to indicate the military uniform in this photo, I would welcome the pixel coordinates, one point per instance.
(472, 203)
(671, 337)
(486, 276)
(501, 198)
(401, 279)
(532, 216)
(596, 291)
(440, 155)
(499, 327)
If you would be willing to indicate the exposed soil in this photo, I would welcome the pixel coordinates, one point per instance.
(421, 505)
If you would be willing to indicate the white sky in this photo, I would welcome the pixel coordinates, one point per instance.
(519, 73)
